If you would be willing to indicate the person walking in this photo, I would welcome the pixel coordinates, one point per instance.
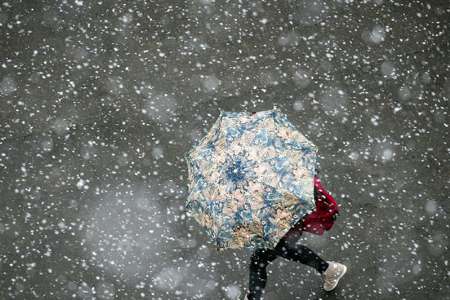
(321, 219)
(243, 190)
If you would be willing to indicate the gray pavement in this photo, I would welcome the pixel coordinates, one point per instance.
(99, 101)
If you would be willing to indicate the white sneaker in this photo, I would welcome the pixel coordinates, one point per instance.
(332, 274)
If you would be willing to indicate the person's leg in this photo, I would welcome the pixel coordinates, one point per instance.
(258, 275)
(302, 254)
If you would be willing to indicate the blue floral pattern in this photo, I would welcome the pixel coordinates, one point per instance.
(250, 179)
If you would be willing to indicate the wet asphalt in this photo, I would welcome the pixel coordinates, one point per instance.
(99, 101)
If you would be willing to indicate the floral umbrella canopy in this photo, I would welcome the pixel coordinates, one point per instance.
(250, 179)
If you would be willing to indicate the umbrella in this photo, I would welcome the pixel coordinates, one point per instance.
(250, 179)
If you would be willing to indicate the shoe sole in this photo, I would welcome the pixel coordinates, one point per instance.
(337, 280)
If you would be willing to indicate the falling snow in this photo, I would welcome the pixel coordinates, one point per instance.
(100, 100)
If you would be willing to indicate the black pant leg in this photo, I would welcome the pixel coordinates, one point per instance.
(302, 254)
(258, 275)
